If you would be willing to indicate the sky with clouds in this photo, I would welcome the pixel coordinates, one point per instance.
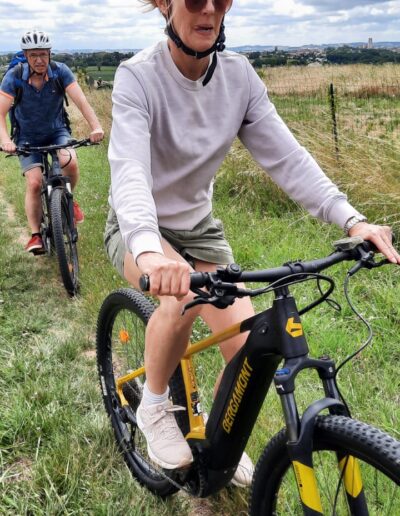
(122, 24)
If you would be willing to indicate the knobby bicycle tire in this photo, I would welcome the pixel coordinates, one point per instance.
(120, 349)
(66, 249)
(274, 491)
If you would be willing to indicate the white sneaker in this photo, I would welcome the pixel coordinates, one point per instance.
(166, 445)
(244, 472)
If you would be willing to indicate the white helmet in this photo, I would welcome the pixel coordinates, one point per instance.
(35, 39)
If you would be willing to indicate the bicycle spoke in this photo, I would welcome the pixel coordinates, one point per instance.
(127, 355)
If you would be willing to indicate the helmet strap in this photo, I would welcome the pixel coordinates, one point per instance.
(218, 46)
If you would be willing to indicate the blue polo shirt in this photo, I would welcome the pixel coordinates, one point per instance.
(39, 112)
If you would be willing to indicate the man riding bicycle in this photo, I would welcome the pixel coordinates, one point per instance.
(35, 91)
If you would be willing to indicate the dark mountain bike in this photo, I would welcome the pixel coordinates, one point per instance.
(318, 464)
(57, 227)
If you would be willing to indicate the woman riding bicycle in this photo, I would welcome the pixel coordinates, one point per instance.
(177, 107)
(38, 98)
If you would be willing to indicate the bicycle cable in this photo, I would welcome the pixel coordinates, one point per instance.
(70, 159)
(342, 473)
(350, 357)
(362, 347)
(303, 277)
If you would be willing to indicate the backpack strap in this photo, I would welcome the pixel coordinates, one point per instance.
(58, 81)
(18, 82)
(18, 71)
(60, 86)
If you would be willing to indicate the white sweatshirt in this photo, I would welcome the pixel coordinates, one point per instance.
(170, 135)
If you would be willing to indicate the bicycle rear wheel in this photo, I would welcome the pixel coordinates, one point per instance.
(274, 489)
(120, 349)
(65, 247)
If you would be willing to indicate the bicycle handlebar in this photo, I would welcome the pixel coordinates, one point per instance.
(29, 149)
(346, 250)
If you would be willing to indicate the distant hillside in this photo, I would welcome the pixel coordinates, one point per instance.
(357, 44)
(243, 48)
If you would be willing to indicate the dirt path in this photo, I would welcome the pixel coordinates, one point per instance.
(9, 211)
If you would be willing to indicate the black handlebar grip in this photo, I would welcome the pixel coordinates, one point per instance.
(144, 283)
(197, 279)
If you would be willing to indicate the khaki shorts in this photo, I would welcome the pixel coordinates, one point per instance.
(205, 242)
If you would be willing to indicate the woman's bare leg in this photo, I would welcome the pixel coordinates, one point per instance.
(168, 331)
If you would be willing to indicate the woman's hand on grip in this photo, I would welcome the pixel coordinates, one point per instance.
(380, 236)
(167, 277)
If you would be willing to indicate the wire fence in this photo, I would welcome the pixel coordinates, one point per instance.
(347, 101)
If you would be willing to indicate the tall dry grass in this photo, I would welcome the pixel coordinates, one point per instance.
(367, 102)
(100, 100)
(352, 79)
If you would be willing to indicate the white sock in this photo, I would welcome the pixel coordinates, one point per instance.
(149, 398)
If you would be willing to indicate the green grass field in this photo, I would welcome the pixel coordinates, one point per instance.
(57, 454)
(106, 72)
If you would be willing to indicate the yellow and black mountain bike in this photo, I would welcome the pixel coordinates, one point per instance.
(322, 462)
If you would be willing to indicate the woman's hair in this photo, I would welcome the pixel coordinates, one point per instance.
(150, 4)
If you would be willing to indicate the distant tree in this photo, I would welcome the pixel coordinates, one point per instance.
(347, 55)
(257, 63)
(82, 60)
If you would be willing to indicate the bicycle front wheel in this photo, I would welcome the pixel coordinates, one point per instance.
(377, 455)
(120, 349)
(65, 247)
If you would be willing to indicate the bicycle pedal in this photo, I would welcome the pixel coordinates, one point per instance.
(38, 252)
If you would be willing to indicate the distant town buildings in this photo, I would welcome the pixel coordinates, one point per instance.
(370, 44)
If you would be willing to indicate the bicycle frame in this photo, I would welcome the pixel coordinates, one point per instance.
(276, 334)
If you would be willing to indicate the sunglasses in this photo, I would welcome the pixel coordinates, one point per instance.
(195, 6)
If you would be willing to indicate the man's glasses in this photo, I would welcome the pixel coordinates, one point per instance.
(41, 55)
(195, 6)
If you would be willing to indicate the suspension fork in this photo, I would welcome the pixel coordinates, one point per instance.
(348, 465)
(55, 179)
(70, 204)
(299, 446)
(300, 436)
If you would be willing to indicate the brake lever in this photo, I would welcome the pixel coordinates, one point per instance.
(196, 301)
(17, 153)
(217, 301)
(367, 262)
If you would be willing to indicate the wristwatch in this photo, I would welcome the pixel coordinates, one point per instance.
(352, 221)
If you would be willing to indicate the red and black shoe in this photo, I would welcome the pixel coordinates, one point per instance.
(35, 245)
(78, 213)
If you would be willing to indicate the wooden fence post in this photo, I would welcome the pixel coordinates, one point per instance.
(333, 114)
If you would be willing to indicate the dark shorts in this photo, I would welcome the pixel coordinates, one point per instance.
(205, 242)
(59, 137)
